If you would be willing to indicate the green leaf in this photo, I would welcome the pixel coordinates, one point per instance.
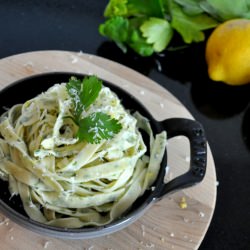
(116, 8)
(158, 32)
(90, 90)
(74, 88)
(116, 29)
(140, 46)
(190, 7)
(98, 126)
(190, 27)
(149, 8)
(135, 39)
(225, 9)
(83, 93)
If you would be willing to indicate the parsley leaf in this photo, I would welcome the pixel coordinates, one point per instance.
(139, 44)
(148, 8)
(158, 32)
(116, 8)
(116, 28)
(135, 39)
(97, 126)
(190, 27)
(83, 93)
(74, 88)
(91, 86)
(226, 9)
(190, 7)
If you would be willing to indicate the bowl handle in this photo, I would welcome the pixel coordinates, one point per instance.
(194, 131)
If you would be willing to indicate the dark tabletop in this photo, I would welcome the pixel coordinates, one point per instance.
(224, 111)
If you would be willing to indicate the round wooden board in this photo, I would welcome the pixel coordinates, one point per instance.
(165, 225)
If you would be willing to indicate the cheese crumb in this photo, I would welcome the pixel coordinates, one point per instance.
(183, 203)
(29, 64)
(143, 230)
(150, 245)
(46, 244)
(201, 214)
(6, 222)
(158, 64)
(2, 220)
(80, 53)
(74, 59)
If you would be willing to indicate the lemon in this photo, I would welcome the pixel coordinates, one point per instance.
(228, 52)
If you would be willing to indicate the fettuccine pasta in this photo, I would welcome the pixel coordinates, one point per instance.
(69, 183)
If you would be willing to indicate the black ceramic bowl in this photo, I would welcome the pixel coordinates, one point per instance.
(28, 88)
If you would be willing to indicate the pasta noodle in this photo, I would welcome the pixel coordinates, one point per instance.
(69, 183)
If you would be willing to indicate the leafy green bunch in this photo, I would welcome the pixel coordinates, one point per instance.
(147, 26)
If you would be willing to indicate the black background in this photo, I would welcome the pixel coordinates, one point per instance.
(223, 110)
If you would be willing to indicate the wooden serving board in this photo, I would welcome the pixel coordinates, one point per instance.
(165, 225)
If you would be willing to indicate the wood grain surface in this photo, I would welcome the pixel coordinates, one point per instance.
(165, 225)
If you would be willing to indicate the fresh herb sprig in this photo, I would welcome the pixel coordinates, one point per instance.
(148, 26)
(98, 125)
